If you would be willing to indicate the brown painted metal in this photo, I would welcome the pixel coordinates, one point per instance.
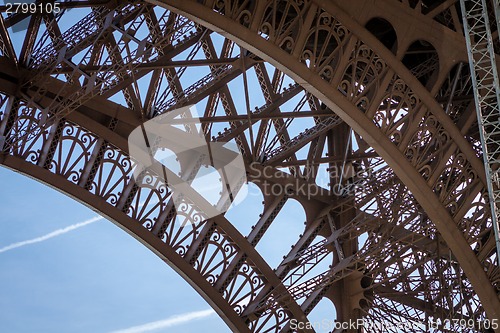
(387, 109)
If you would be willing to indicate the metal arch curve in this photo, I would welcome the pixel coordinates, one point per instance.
(149, 237)
(156, 245)
(249, 37)
(136, 230)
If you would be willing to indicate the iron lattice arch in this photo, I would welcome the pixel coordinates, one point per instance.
(380, 88)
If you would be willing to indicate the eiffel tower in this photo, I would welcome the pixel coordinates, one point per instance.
(361, 111)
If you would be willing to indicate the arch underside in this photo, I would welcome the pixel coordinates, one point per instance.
(70, 100)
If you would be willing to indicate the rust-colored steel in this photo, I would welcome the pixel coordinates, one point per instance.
(366, 104)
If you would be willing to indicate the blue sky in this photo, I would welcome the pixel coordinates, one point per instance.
(92, 279)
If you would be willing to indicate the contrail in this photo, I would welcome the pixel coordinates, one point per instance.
(53, 234)
(57, 232)
(169, 322)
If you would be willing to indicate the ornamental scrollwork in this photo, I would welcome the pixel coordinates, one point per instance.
(361, 77)
(282, 20)
(72, 151)
(426, 146)
(215, 256)
(243, 287)
(323, 46)
(112, 175)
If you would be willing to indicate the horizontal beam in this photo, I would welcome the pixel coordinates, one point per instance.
(162, 63)
(256, 116)
(352, 157)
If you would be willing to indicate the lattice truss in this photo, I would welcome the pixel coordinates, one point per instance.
(76, 83)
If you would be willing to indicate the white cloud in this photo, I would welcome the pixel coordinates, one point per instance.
(50, 235)
(169, 322)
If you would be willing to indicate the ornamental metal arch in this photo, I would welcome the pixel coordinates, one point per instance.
(429, 250)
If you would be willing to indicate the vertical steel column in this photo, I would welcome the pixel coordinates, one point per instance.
(486, 94)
